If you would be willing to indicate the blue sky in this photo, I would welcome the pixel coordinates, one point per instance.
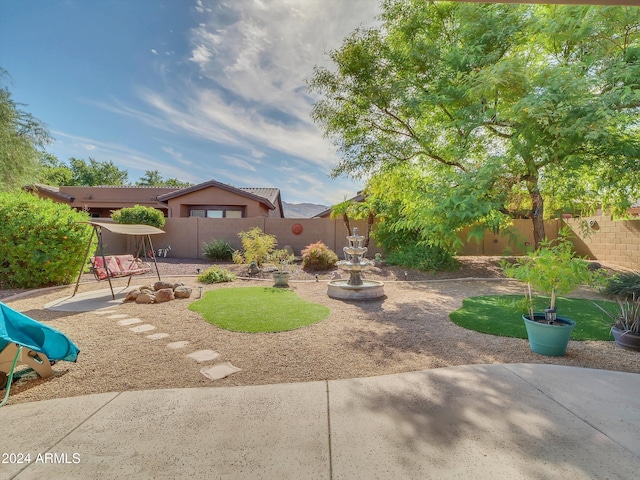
(197, 89)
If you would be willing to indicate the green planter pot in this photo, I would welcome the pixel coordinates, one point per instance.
(281, 279)
(550, 340)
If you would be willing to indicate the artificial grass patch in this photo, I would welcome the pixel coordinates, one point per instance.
(258, 309)
(502, 315)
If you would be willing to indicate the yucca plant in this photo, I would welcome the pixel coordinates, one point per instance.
(627, 318)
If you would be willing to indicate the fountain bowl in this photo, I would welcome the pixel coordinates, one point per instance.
(369, 290)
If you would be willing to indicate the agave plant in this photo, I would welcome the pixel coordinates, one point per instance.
(627, 318)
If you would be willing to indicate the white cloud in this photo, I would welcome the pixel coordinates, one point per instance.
(254, 60)
(177, 156)
(250, 60)
(154, 51)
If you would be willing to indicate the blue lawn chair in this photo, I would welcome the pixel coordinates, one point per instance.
(31, 343)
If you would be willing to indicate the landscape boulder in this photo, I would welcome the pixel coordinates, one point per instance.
(145, 297)
(182, 291)
(162, 285)
(164, 295)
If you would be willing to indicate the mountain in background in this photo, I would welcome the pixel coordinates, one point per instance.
(302, 210)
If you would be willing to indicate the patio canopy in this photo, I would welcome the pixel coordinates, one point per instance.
(124, 229)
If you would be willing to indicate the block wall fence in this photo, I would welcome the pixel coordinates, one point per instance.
(608, 240)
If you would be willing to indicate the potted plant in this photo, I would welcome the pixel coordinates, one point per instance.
(626, 323)
(555, 270)
(282, 258)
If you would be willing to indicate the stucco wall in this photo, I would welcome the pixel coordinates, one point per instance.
(608, 240)
(179, 206)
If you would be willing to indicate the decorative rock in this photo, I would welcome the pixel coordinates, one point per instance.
(145, 297)
(132, 295)
(164, 295)
(182, 292)
(162, 285)
(147, 287)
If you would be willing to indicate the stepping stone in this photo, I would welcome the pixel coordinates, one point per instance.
(129, 321)
(142, 328)
(157, 336)
(204, 355)
(119, 315)
(180, 344)
(219, 370)
(104, 312)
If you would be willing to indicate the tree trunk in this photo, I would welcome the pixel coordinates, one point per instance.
(537, 215)
(370, 218)
(345, 219)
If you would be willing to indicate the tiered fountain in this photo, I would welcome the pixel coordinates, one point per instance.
(355, 288)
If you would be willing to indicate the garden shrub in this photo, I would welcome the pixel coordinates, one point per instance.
(257, 246)
(217, 250)
(422, 257)
(139, 215)
(318, 256)
(216, 274)
(41, 241)
(623, 285)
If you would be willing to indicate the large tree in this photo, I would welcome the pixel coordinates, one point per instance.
(492, 103)
(96, 173)
(22, 140)
(152, 178)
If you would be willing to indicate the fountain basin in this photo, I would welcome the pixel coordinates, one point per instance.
(341, 290)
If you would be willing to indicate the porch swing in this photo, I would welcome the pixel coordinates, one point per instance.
(106, 267)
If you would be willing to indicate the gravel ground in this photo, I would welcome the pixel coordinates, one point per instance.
(407, 330)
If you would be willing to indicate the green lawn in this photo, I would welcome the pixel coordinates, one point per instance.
(258, 309)
(502, 315)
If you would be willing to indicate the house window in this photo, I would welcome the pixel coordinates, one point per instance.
(233, 214)
(217, 212)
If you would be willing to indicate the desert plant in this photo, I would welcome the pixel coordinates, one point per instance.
(318, 256)
(623, 285)
(217, 250)
(553, 269)
(256, 246)
(282, 258)
(41, 242)
(216, 274)
(422, 257)
(627, 318)
(139, 214)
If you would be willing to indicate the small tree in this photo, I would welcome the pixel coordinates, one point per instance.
(257, 247)
(140, 215)
(553, 269)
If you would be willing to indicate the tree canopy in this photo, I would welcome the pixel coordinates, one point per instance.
(152, 178)
(92, 173)
(491, 109)
(22, 140)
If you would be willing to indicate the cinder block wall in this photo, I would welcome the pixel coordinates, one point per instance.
(602, 238)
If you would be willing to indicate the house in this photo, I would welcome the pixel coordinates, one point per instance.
(211, 199)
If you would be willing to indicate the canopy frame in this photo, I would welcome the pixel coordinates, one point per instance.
(135, 230)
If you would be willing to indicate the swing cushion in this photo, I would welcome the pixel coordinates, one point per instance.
(118, 266)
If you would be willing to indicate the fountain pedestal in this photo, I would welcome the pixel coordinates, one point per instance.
(355, 288)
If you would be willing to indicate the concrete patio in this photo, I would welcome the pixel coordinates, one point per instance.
(483, 421)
